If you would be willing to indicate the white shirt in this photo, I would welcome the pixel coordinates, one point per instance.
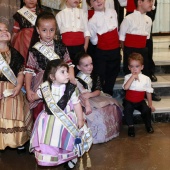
(143, 84)
(72, 20)
(137, 24)
(102, 22)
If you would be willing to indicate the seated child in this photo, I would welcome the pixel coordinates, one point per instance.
(136, 85)
(102, 111)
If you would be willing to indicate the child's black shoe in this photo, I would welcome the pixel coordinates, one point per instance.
(149, 129)
(21, 150)
(131, 131)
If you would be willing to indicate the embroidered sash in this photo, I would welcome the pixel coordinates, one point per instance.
(46, 51)
(87, 79)
(7, 72)
(27, 14)
(85, 138)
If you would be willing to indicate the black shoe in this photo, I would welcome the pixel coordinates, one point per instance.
(155, 97)
(153, 78)
(21, 150)
(1, 152)
(149, 129)
(131, 131)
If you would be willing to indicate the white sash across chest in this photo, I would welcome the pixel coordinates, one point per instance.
(46, 51)
(27, 14)
(87, 79)
(86, 138)
(7, 72)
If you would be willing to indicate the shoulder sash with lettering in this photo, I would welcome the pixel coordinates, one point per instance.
(86, 138)
(27, 14)
(87, 79)
(65, 120)
(7, 72)
(46, 51)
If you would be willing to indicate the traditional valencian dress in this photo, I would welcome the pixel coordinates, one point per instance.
(105, 119)
(51, 142)
(24, 30)
(37, 63)
(15, 117)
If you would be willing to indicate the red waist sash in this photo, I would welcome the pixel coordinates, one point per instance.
(130, 6)
(108, 41)
(73, 38)
(134, 96)
(136, 41)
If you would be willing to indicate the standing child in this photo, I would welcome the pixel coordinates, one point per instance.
(103, 33)
(15, 117)
(72, 23)
(23, 30)
(53, 137)
(136, 85)
(134, 33)
(103, 114)
(46, 49)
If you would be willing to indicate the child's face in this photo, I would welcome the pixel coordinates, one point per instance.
(135, 66)
(98, 5)
(145, 5)
(5, 36)
(86, 65)
(72, 3)
(30, 3)
(61, 76)
(46, 29)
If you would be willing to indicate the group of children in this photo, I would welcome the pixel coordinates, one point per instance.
(60, 81)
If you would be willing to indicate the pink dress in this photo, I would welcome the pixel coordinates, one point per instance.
(106, 117)
(51, 143)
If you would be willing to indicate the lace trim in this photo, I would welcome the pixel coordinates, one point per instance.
(12, 130)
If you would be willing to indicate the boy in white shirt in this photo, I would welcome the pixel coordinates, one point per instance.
(72, 23)
(103, 27)
(136, 85)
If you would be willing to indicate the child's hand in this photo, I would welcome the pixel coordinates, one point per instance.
(152, 108)
(73, 80)
(80, 123)
(135, 76)
(88, 110)
(85, 95)
(30, 95)
(16, 91)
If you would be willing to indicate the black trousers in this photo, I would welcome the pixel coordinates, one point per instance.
(143, 51)
(129, 108)
(151, 63)
(73, 50)
(107, 66)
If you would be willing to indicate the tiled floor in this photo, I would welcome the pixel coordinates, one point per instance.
(144, 152)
